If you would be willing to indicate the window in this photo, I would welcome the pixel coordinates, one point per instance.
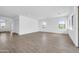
(61, 25)
(2, 23)
(44, 24)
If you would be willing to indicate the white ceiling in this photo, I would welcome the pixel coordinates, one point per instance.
(36, 12)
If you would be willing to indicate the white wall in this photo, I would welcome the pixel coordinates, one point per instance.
(74, 32)
(15, 26)
(52, 25)
(27, 25)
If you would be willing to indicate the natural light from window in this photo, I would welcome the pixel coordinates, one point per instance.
(2, 24)
(61, 25)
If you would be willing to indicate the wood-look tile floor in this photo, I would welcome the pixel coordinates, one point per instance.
(38, 42)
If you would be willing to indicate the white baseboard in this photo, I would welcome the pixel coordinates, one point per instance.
(27, 33)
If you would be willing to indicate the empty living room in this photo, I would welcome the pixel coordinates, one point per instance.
(39, 29)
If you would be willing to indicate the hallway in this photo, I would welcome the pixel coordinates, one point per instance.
(39, 42)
